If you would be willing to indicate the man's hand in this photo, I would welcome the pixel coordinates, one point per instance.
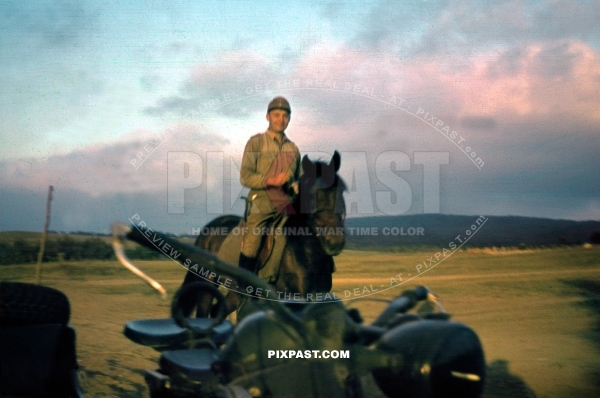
(276, 181)
(295, 187)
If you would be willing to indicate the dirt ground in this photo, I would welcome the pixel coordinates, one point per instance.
(537, 313)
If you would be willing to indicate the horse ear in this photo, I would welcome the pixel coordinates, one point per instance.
(309, 169)
(335, 161)
(306, 163)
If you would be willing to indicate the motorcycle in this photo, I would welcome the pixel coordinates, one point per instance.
(295, 348)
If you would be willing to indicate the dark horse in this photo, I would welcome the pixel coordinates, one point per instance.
(306, 264)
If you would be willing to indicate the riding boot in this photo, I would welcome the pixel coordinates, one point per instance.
(247, 263)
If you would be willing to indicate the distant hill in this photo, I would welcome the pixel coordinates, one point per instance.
(413, 231)
(438, 229)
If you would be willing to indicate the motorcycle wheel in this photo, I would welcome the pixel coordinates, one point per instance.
(23, 304)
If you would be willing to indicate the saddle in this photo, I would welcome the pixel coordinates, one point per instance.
(269, 255)
(266, 247)
(268, 243)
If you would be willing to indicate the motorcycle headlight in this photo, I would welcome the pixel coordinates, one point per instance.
(441, 359)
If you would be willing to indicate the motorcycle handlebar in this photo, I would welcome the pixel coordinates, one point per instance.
(402, 304)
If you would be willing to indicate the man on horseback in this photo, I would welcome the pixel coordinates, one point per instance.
(271, 169)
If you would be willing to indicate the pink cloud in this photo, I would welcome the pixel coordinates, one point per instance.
(539, 81)
(567, 84)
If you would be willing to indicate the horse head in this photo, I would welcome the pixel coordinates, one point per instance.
(321, 201)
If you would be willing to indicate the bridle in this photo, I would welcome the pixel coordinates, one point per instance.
(341, 216)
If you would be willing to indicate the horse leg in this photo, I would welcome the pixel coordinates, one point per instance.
(231, 303)
(309, 272)
(292, 276)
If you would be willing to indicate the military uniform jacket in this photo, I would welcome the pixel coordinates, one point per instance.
(265, 157)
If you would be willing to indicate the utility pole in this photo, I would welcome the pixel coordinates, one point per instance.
(38, 267)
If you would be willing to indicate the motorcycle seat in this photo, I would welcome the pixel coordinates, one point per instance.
(164, 334)
(189, 364)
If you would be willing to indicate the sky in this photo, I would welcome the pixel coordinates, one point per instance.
(142, 109)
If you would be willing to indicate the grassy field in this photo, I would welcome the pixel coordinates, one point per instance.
(33, 238)
(537, 312)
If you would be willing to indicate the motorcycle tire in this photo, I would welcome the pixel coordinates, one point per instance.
(23, 304)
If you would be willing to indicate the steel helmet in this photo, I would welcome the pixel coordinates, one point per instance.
(279, 103)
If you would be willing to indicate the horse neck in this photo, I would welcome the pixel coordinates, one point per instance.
(303, 218)
(300, 217)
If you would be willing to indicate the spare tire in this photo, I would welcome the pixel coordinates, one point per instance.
(23, 304)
